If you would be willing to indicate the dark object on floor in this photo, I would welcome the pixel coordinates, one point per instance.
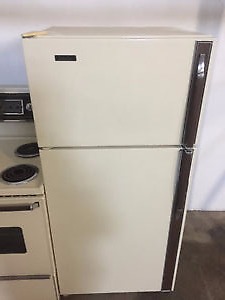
(201, 272)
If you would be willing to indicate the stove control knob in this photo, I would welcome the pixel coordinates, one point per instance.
(29, 107)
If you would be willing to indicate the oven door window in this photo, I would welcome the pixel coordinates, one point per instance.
(12, 240)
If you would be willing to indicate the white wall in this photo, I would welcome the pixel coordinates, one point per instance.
(20, 16)
(208, 189)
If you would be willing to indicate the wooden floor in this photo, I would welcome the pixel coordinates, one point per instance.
(201, 272)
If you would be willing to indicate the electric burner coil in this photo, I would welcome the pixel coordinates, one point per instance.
(27, 150)
(19, 174)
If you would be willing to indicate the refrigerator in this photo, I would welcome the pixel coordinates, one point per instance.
(116, 113)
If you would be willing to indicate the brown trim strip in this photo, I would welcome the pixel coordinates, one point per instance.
(177, 219)
(196, 91)
(195, 96)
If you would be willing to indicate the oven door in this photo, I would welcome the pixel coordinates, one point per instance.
(24, 238)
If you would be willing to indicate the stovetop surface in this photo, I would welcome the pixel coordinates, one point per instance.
(9, 159)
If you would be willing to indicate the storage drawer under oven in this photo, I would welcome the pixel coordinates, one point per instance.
(41, 287)
(24, 239)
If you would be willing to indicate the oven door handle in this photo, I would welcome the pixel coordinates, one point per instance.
(19, 207)
(25, 277)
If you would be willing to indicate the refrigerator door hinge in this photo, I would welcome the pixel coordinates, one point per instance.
(188, 150)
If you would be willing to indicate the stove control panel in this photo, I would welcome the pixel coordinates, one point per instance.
(15, 106)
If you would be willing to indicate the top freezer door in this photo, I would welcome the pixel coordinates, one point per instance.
(108, 92)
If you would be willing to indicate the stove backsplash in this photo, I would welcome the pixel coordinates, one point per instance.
(17, 129)
(16, 116)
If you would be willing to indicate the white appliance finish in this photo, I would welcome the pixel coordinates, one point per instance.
(28, 289)
(108, 226)
(27, 274)
(37, 258)
(111, 94)
(110, 107)
(9, 159)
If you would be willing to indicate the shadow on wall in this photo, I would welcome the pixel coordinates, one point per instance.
(210, 15)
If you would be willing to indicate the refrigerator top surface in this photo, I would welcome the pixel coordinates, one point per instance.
(115, 32)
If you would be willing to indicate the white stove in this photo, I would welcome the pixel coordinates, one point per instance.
(9, 159)
(26, 259)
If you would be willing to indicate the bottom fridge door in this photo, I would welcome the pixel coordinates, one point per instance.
(27, 288)
(110, 214)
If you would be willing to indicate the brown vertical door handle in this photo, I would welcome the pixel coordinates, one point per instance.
(201, 66)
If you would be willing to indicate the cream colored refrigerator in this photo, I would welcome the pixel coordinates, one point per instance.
(116, 113)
